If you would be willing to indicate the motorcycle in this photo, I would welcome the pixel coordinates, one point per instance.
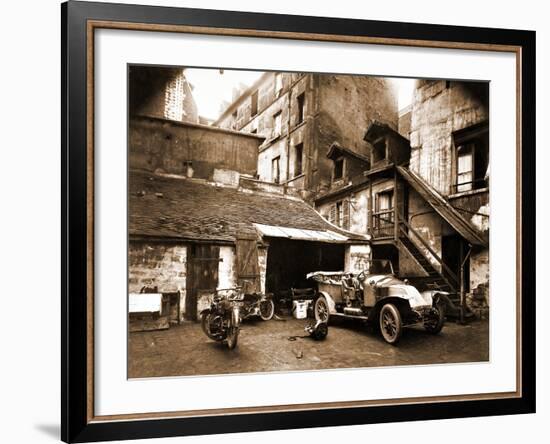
(222, 320)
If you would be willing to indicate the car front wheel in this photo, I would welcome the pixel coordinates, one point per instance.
(391, 325)
(321, 309)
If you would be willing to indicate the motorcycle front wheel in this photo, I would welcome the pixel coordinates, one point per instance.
(205, 324)
(232, 336)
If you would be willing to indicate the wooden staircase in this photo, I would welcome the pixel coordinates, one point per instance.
(434, 278)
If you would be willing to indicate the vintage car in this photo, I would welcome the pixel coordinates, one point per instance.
(375, 295)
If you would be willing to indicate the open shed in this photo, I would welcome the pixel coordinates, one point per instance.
(193, 236)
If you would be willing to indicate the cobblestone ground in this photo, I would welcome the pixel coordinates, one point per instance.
(265, 346)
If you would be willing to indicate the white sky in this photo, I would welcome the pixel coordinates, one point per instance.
(212, 88)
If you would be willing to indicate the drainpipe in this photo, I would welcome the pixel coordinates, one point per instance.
(462, 292)
(395, 208)
(288, 132)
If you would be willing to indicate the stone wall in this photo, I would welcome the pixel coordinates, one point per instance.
(162, 265)
(404, 124)
(357, 258)
(265, 159)
(358, 209)
(440, 108)
(158, 265)
(348, 104)
(479, 269)
(161, 92)
(262, 264)
(474, 207)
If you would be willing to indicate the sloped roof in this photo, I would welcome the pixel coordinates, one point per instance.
(377, 129)
(336, 150)
(177, 208)
(462, 226)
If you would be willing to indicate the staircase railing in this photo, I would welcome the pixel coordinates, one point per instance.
(448, 271)
(383, 224)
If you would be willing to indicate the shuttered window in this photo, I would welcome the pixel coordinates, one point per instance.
(339, 214)
(346, 214)
(332, 214)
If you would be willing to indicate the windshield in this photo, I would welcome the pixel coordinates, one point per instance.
(380, 266)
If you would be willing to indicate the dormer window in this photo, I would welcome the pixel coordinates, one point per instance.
(338, 169)
(379, 150)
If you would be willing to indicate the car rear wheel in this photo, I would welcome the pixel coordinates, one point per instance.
(321, 309)
(435, 320)
(391, 325)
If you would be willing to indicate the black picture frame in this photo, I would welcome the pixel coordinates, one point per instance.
(76, 423)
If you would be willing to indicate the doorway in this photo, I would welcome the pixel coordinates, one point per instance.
(202, 276)
(453, 252)
(289, 261)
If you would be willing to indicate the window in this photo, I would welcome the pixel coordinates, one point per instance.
(254, 103)
(301, 107)
(338, 169)
(277, 124)
(278, 83)
(464, 168)
(471, 158)
(234, 119)
(339, 214)
(383, 216)
(298, 156)
(384, 201)
(254, 131)
(378, 151)
(275, 169)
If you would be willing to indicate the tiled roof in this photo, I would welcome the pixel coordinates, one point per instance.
(166, 207)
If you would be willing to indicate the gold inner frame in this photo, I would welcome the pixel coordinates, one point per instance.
(92, 25)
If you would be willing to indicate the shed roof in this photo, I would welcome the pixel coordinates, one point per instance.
(190, 209)
(378, 129)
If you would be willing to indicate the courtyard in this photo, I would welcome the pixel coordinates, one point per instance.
(283, 345)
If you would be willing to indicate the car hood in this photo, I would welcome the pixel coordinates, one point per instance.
(398, 288)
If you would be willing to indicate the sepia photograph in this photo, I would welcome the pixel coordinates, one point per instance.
(300, 221)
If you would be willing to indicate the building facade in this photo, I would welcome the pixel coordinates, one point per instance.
(161, 92)
(450, 151)
(425, 203)
(301, 116)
